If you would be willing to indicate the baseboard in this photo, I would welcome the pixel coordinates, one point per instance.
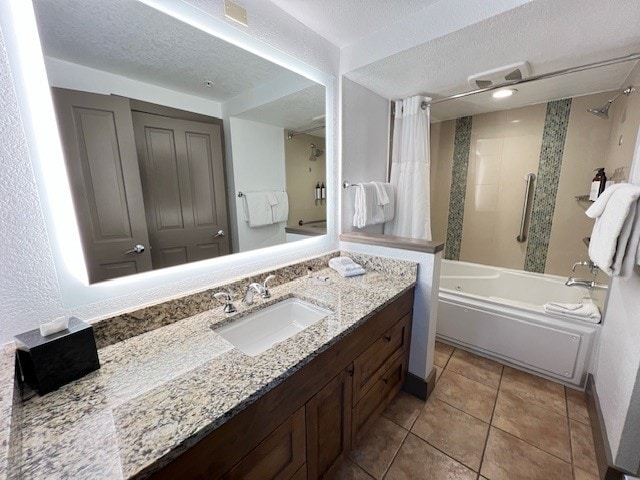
(419, 387)
(600, 440)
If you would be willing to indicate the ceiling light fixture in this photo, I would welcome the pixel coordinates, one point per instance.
(504, 93)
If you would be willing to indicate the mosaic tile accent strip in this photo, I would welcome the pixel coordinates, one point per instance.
(461, 148)
(554, 135)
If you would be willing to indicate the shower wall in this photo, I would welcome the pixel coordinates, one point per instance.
(478, 168)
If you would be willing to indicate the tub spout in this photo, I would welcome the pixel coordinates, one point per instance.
(577, 282)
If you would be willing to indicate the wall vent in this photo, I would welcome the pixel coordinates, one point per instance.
(515, 71)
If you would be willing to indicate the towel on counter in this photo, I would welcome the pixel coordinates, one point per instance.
(280, 209)
(257, 210)
(580, 311)
(374, 204)
(616, 233)
(346, 267)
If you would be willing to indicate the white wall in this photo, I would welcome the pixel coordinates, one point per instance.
(258, 164)
(617, 369)
(365, 144)
(65, 74)
(29, 290)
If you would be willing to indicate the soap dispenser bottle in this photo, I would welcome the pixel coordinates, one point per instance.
(598, 184)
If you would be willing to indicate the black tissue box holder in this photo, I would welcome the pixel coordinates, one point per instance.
(47, 363)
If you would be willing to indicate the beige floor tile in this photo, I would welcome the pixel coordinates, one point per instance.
(351, 471)
(438, 372)
(543, 393)
(508, 458)
(452, 431)
(533, 424)
(577, 405)
(475, 367)
(375, 451)
(584, 456)
(442, 354)
(404, 409)
(418, 460)
(468, 395)
(580, 474)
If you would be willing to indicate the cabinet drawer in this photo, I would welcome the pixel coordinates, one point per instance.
(377, 359)
(378, 396)
(279, 456)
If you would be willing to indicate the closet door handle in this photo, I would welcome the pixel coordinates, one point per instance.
(219, 234)
(138, 249)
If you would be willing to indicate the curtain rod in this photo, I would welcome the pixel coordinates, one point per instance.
(293, 133)
(542, 76)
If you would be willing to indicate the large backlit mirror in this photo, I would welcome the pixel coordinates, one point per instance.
(485, 146)
(179, 146)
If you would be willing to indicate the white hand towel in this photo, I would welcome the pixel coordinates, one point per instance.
(271, 198)
(346, 266)
(280, 210)
(387, 200)
(614, 240)
(580, 311)
(257, 211)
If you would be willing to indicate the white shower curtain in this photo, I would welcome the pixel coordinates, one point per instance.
(410, 170)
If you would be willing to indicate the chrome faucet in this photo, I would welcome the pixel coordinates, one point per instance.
(593, 268)
(262, 290)
(226, 297)
(577, 282)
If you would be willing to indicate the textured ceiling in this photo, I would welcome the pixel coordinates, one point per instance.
(128, 38)
(345, 21)
(550, 34)
(294, 112)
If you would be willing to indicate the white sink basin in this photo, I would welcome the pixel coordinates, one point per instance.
(259, 331)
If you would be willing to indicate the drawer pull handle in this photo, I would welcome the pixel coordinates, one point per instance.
(387, 338)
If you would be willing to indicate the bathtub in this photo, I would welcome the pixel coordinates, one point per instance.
(498, 313)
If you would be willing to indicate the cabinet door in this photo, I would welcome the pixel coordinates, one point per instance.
(329, 427)
(279, 456)
(102, 164)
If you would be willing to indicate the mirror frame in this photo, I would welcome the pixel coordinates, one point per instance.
(18, 23)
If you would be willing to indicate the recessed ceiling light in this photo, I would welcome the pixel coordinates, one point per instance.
(504, 93)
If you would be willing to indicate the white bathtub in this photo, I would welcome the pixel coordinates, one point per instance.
(498, 313)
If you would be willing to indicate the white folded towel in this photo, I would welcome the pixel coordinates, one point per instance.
(580, 311)
(280, 209)
(257, 210)
(386, 199)
(346, 267)
(614, 241)
(272, 198)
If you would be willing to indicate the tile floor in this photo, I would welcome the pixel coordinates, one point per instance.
(482, 422)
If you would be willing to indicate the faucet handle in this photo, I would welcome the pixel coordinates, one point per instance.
(226, 297)
(583, 263)
(265, 286)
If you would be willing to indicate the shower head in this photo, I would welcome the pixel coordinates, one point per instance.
(315, 152)
(603, 111)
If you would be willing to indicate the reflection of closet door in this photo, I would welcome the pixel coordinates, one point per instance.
(182, 171)
(97, 136)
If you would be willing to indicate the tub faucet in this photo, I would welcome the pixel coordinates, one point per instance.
(577, 282)
(593, 268)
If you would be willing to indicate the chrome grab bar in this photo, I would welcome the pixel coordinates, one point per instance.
(529, 178)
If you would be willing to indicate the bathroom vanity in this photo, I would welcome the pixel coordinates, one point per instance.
(179, 401)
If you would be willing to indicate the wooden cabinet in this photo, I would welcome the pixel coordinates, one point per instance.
(306, 426)
(278, 457)
(329, 426)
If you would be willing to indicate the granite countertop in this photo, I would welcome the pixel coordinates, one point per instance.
(160, 392)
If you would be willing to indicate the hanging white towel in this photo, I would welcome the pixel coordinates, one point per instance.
(616, 233)
(257, 211)
(386, 200)
(580, 311)
(272, 198)
(366, 208)
(280, 209)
